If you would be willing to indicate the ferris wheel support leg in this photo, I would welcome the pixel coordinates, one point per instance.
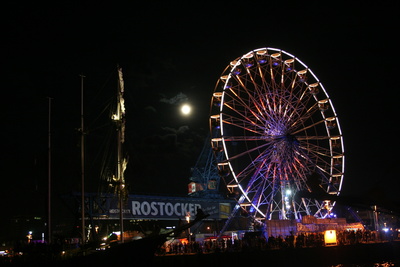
(232, 215)
(308, 212)
(265, 231)
(229, 220)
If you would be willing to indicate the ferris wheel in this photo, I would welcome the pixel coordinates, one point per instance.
(275, 126)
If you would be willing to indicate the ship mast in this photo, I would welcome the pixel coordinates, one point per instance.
(119, 118)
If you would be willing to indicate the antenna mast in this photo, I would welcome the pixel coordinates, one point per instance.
(82, 166)
(49, 177)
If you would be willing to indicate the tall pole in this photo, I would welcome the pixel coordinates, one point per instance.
(119, 155)
(121, 162)
(49, 177)
(121, 188)
(376, 220)
(82, 166)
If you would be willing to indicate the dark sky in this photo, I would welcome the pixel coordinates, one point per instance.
(167, 50)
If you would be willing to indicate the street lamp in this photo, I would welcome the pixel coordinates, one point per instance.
(29, 236)
(188, 221)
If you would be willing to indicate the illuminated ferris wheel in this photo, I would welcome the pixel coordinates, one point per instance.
(275, 126)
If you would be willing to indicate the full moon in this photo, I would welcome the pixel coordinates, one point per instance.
(186, 109)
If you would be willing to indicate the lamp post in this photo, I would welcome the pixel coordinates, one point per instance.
(49, 177)
(188, 221)
(82, 166)
(376, 220)
(29, 236)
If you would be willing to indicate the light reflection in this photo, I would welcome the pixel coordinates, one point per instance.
(378, 264)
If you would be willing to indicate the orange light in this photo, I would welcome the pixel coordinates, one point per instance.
(330, 238)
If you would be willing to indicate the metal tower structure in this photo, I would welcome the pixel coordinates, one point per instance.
(205, 178)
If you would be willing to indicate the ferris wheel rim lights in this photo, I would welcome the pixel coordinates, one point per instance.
(278, 57)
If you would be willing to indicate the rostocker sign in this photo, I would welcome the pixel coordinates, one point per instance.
(172, 208)
(160, 209)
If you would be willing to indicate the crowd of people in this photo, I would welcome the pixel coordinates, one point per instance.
(259, 242)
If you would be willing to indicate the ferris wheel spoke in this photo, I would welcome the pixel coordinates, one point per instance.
(308, 127)
(247, 173)
(254, 77)
(324, 155)
(263, 91)
(257, 174)
(301, 119)
(269, 99)
(244, 114)
(266, 92)
(316, 149)
(299, 101)
(317, 155)
(247, 96)
(243, 124)
(249, 169)
(249, 138)
(240, 112)
(295, 104)
(254, 186)
(312, 138)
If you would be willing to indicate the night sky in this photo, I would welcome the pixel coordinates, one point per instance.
(175, 52)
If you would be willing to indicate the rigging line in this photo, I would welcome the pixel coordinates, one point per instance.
(105, 125)
(107, 106)
(94, 98)
(108, 144)
(131, 97)
(107, 160)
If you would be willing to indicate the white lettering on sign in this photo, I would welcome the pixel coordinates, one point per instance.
(153, 208)
(145, 207)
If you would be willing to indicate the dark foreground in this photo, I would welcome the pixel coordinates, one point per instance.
(360, 254)
(141, 253)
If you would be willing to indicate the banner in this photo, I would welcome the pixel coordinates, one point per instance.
(168, 208)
